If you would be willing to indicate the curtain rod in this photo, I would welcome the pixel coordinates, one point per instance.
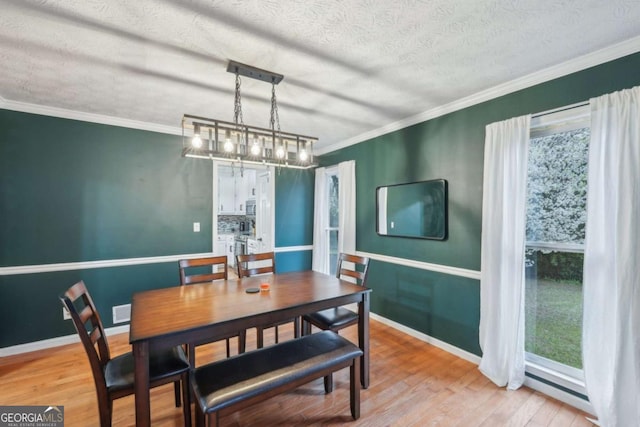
(557, 110)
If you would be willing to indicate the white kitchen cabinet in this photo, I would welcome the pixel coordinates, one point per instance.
(226, 191)
(234, 190)
(225, 246)
(252, 246)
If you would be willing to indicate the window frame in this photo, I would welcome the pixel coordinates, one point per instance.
(551, 122)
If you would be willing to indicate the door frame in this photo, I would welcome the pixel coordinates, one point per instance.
(214, 200)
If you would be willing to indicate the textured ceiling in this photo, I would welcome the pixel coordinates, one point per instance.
(350, 66)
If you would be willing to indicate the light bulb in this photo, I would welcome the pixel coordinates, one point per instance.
(255, 147)
(303, 156)
(196, 142)
(228, 145)
(280, 152)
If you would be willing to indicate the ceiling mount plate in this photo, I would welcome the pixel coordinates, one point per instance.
(254, 73)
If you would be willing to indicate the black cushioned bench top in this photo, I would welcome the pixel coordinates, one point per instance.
(229, 381)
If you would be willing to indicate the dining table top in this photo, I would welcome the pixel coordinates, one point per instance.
(173, 310)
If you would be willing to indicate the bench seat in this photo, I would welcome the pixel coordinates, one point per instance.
(231, 384)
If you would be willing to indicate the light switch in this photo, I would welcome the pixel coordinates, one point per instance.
(196, 227)
(393, 225)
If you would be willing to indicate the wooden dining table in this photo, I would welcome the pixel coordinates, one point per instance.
(205, 312)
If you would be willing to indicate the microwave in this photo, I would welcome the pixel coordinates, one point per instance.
(251, 207)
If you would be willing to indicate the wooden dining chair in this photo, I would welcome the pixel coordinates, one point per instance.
(262, 263)
(337, 318)
(209, 269)
(334, 319)
(114, 377)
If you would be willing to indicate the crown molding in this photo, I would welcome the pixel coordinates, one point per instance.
(583, 62)
(63, 113)
(580, 63)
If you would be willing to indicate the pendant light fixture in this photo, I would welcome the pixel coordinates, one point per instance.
(233, 142)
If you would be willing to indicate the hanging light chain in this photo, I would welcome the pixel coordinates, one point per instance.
(238, 120)
(237, 110)
(275, 118)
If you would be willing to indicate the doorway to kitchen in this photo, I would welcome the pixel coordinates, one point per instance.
(243, 217)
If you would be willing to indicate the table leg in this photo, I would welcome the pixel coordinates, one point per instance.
(141, 363)
(363, 339)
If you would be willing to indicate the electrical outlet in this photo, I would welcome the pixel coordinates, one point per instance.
(196, 227)
(65, 314)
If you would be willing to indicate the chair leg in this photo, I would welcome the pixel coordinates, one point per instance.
(354, 394)
(328, 383)
(276, 334)
(176, 393)
(306, 327)
(296, 327)
(186, 399)
(105, 408)
(228, 348)
(260, 337)
(200, 416)
(242, 341)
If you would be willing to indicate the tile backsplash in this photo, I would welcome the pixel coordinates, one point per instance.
(230, 224)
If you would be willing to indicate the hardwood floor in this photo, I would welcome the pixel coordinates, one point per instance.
(412, 384)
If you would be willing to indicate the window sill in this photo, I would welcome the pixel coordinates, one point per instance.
(568, 382)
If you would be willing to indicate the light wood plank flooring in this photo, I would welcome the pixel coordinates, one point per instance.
(412, 384)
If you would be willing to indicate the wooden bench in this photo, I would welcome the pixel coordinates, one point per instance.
(231, 384)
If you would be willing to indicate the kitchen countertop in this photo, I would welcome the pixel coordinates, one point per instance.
(244, 237)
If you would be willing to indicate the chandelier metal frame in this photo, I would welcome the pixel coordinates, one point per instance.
(236, 142)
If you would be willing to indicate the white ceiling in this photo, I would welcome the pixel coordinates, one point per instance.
(351, 67)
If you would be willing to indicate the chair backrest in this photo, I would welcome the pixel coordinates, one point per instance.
(87, 322)
(267, 264)
(359, 271)
(220, 262)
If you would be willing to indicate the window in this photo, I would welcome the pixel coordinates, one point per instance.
(555, 231)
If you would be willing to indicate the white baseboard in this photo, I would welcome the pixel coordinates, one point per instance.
(463, 354)
(534, 384)
(54, 342)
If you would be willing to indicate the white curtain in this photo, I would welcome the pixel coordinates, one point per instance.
(611, 319)
(320, 253)
(502, 251)
(347, 207)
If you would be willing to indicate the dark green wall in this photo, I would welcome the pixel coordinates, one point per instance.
(294, 217)
(444, 306)
(73, 191)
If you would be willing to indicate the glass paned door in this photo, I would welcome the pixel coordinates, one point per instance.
(333, 220)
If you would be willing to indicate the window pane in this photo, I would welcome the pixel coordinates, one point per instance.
(556, 216)
(557, 187)
(333, 201)
(333, 250)
(553, 306)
